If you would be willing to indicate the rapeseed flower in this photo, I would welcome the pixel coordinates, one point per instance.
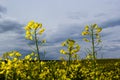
(86, 40)
(85, 33)
(27, 57)
(31, 23)
(72, 48)
(98, 30)
(18, 54)
(32, 29)
(87, 28)
(41, 31)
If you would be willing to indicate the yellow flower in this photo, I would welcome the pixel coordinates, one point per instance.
(75, 56)
(42, 63)
(2, 72)
(11, 54)
(42, 75)
(70, 42)
(3, 63)
(9, 62)
(27, 57)
(63, 43)
(31, 23)
(18, 54)
(27, 36)
(85, 39)
(31, 38)
(40, 25)
(95, 26)
(85, 33)
(44, 41)
(32, 28)
(98, 36)
(86, 28)
(35, 26)
(16, 65)
(8, 67)
(27, 28)
(98, 40)
(77, 46)
(89, 56)
(62, 51)
(35, 58)
(64, 62)
(15, 59)
(99, 30)
(28, 77)
(73, 51)
(7, 72)
(28, 32)
(41, 31)
(18, 72)
(32, 54)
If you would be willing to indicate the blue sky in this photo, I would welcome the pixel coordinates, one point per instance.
(62, 19)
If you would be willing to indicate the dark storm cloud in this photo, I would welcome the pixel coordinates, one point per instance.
(111, 23)
(8, 25)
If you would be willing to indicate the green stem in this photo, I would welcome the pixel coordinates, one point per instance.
(36, 43)
(93, 45)
(70, 56)
(93, 52)
(69, 59)
(5, 76)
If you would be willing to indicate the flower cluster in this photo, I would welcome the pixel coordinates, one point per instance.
(72, 48)
(11, 55)
(32, 29)
(92, 30)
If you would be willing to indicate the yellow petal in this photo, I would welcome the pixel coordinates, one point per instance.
(86, 40)
(86, 28)
(99, 29)
(31, 23)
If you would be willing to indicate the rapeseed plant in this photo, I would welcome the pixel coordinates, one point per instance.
(72, 49)
(92, 34)
(33, 31)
